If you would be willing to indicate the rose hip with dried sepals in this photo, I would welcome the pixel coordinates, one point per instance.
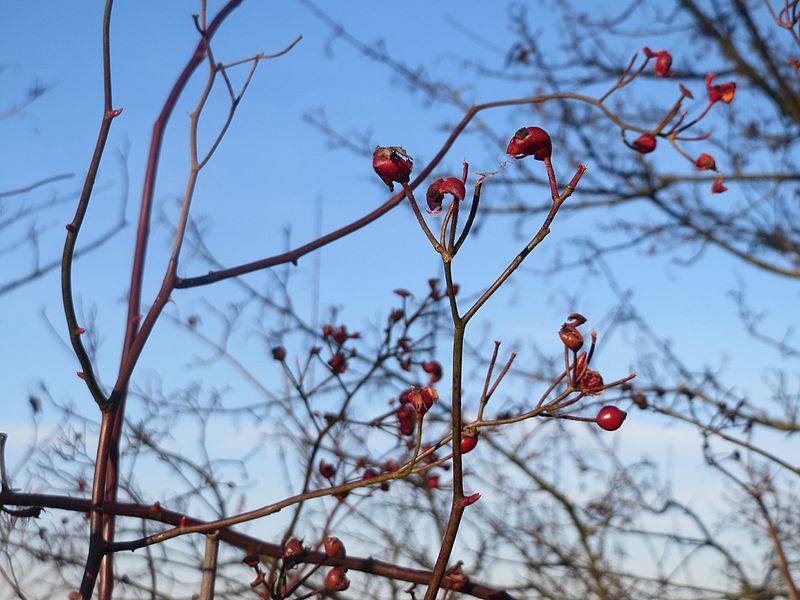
(438, 189)
(530, 141)
(723, 92)
(610, 418)
(590, 383)
(334, 548)
(293, 550)
(392, 164)
(571, 337)
(336, 580)
(705, 162)
(663, 61)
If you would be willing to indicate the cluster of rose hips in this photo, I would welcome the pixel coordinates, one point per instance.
(292, 554)
(587, 381)
(723, 92)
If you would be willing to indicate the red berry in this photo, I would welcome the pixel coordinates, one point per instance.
(717, 187)
(326, 469)
(434, 368)
(292, 550)
(724, 91)
(644, 143)
(571, 337)
(610, 418)
(663, 61)
(468, 442)
(705, 162)
(334, 548)
(390, 165)
(279, 353)
(336, 580)
(530, 141)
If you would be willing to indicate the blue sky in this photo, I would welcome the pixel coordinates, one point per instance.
(274, 171)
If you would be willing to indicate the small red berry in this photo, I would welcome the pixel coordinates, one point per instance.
(439, 188)
(338, 363)
(392, 164)
(530, 141)
(279, 353)
(723, 92)
(717, 187)
(407, 418)
(469, 439)
(434, 369)
(571, 337)
(663, 61)
(610, 418)
(432, 482)
(336, 580)
(292, 550)
(326, 469)
(705, 162)
(334, 548)
(644, 143)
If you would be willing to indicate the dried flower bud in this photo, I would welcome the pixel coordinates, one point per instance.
(644, 143)
(439, 188)
(705, 162)
(336, 580)
(590, 383)
(685, 92)
(530, 141)
(334, 548)
(663, 61)
(392, 164)
(640, 400)
(610, 418)
(722, 92)
(279, 353)
(396, 315)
